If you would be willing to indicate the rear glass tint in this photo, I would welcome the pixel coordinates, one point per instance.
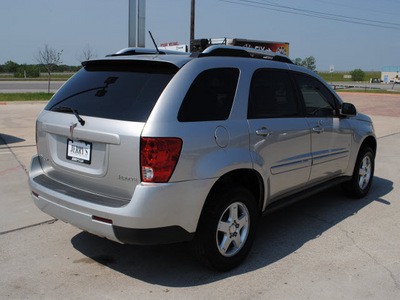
(114, 90)
(210, 96)
(272, 95)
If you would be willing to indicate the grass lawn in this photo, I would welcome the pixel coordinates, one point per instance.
(367, 91)
(339, 76)
(25, 96)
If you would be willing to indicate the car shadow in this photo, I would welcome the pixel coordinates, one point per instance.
(279, 235)
(6, 139)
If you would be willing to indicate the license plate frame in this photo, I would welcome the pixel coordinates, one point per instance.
(79, 151)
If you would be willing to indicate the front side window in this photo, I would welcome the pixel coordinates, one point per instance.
(318, 101)
(210, 96)
(271, 95)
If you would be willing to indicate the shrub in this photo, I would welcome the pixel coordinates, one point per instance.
(31, 71)
(357, 75)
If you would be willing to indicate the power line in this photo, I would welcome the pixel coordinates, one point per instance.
(358, 7)
(321, 13)
(316, 14)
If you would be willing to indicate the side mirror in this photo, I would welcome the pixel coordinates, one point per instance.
(348, 110)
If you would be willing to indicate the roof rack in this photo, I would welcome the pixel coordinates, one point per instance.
(234, 51)
(216, 50)
(144, 51)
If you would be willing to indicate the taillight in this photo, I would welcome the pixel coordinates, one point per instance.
(158, 158)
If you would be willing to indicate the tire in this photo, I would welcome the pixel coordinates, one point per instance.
(226, 229)
(363, 174)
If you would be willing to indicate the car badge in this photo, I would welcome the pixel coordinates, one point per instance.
(71, 129)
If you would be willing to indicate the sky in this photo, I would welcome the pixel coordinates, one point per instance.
(347, 34)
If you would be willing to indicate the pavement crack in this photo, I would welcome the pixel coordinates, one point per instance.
(29, 226)
(389, 135)
(395, 281)
(333, 223)
(13, 147)
(12, 152)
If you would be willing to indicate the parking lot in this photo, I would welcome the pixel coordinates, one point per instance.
(326, 247)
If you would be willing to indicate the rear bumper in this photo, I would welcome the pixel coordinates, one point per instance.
(156, 214)
(163, 235)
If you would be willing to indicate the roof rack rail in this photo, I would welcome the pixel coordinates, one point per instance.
(234, 51)
(144, 51)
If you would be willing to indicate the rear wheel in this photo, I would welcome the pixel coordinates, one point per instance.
(226, 229)
(363, 174)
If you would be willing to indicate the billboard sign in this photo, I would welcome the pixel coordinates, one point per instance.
(278, 47)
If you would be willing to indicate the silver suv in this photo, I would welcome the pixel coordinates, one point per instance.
(150, 148)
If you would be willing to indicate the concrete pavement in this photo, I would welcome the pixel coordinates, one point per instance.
(17, 145)
(325, 247)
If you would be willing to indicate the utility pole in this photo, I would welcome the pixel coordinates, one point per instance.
(141, 23)
(132, 24)
(192, 9)
(137, 21)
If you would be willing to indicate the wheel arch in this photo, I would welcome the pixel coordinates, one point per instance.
(371, 142)
(248, 178)
(243, 185)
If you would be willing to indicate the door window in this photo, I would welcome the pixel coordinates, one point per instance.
(319, 102)
(271, 95)
(210, 96)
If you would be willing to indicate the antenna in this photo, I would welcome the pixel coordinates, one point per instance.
(154, 42)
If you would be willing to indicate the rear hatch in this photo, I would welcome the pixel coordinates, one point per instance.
(88, 135)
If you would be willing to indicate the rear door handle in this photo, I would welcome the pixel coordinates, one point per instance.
(264, 131)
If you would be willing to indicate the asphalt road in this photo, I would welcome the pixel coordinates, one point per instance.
(325, 247)
(29, 86)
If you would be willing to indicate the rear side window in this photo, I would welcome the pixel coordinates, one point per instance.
(318, 100)
(271, 95)
(210, 96)
(115, 90)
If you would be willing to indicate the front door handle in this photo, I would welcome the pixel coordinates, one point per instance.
(318, 129)
(264, 131)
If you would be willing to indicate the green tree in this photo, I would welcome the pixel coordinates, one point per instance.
(308, 63)
(357, 75)
(10, 67)
(298, 61)
(30, 71)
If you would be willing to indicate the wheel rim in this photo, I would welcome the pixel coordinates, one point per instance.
(364, 174)
(233, 229)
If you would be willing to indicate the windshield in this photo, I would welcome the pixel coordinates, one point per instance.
(114, 90)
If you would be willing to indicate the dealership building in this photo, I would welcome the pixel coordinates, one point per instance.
(390, 74)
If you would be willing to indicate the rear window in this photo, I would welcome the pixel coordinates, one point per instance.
(114, 90)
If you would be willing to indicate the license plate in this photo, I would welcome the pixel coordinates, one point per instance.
(79, 151)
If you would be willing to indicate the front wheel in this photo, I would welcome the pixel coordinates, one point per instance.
(226, 229)
(363, 174)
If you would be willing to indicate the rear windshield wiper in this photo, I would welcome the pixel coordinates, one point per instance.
(102, 91)
(70, 109)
